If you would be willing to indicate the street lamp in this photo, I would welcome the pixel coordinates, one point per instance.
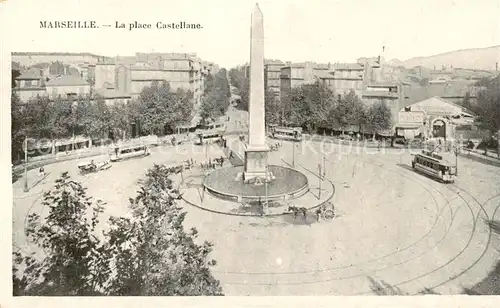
(293, 154)
(26, 165)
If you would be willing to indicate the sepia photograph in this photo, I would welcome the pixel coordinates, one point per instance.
(251, 148)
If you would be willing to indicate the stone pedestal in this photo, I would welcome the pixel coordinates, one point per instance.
(256, 166)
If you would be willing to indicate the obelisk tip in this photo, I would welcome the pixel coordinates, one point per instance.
(257, 8)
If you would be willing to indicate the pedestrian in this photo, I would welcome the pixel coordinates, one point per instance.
(221, 161)
(42, 171)
(230, 154)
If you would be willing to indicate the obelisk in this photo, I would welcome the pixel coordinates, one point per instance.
(257, 149)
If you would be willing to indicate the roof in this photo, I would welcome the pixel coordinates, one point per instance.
(348, 66)
(30, 74)
(464, 110)
(380, 94)
(323, 74)
(67, 80)
(112, 93)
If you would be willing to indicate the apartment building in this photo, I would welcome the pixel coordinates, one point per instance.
(272, 73)
(30, 84)
(67, 86)
(132, 74)
(347, 77)
(28, 59)
(395, 94)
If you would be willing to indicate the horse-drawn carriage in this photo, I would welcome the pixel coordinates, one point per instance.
(325, 211)
(274, 147)
(90, 167)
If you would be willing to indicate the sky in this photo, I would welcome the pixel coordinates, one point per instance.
(313, 30)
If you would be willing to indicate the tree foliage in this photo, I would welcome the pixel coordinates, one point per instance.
(145, 253)
(216, 99)
(488, 104)
(379, 117)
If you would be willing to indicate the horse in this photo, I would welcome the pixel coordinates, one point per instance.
(296, 210)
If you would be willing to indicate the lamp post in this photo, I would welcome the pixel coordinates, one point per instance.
(320, 180)
(293, 154)
(26, 165)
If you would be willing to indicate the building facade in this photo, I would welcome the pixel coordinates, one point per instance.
(395, 95)
(272, 73)
(32, 58)
(432, 118)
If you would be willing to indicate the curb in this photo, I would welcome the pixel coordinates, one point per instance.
(261, 216)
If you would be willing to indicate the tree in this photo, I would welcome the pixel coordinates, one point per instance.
(158, 108)
(145, 253)
(349, 111)
(379, 117)
(154, 254)
(120, 120)
(489, 104)
(216, 100)
(272, 107)
(15, 73)
(73, 262)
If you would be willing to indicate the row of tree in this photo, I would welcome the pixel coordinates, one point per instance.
(215, 97)
(156, 111)
(314, 106)
(146, 254)
(487, 107)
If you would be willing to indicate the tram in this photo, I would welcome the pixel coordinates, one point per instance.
(207, 137)
(286, 133)
(435, 166)
(128, 151)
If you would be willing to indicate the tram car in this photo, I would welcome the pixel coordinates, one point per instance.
(129, 151)
(286, 133)
(435, 166)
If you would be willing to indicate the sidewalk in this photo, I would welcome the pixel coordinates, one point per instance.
(478, 156)
(236, 159)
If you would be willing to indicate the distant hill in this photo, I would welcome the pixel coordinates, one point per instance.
(476, 58)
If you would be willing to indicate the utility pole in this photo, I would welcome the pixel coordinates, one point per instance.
(320, 177)
(293, 154)
(26, 165)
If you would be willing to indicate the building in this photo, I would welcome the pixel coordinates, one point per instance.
(28, 59)
(455, 90)
(113, 96)
(67, 86)
(395, 95)
(30, 84)
(434, 117)
(272, 73)
(294, 75)
(132, 74)
(347, 77)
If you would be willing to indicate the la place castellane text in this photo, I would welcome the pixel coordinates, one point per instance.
(119, 25)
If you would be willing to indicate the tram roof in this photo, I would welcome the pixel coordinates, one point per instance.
(440, 160)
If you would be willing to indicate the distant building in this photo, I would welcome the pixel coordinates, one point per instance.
(432, 118)
(132, 74)
(347, 77)
(67, 86)
(395, 95)
(294, 75)
(31, 58)
(30, 84)
(112, 96)
(272, 73)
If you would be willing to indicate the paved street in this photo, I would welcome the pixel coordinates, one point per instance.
(395, 226)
